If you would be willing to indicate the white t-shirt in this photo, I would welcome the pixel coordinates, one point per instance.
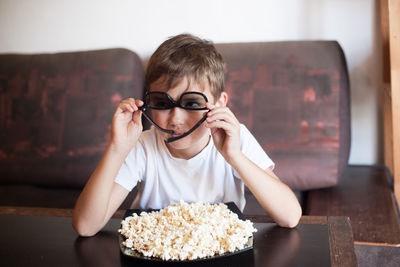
(206, 177)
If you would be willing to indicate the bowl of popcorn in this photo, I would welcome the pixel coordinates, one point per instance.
(186, 232)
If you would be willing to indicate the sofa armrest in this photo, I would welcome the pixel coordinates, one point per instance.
(365, 195)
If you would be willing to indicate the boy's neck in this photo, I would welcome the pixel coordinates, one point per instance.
(191, 152)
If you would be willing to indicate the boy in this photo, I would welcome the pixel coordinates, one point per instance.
(197, 151)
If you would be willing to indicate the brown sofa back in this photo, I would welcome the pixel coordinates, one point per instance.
(294, 97)
(55, 110)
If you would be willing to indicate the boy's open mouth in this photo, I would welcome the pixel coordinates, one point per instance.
(177, 133)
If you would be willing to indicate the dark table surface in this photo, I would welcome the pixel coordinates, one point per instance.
(32, 240)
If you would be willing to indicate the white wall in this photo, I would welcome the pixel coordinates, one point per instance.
(28, 26)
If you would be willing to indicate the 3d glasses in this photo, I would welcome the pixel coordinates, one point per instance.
(191, 101)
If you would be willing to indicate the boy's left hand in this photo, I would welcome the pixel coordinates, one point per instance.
(225, 130)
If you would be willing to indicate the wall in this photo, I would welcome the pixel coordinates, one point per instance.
(52, 26)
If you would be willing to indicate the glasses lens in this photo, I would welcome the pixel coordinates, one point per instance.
(193, 101)
(159, 101)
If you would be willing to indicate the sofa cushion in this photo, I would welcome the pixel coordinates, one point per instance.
(56, 110)
(294, 97)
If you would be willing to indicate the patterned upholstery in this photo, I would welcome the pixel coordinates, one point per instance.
(294, 97)
(55, 110)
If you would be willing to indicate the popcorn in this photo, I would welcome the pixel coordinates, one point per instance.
(186, 231)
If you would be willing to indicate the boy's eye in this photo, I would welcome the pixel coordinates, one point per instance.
(193, 102)
(161, 104)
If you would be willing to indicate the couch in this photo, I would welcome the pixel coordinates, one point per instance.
(56, 109)
(56, 112)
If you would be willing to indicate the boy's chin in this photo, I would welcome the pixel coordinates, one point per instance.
(187, 142)
(182, 143)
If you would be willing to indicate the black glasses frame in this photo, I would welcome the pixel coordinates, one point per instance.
(174, 104)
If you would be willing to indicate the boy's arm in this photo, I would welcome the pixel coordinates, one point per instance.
(101, 196)
(275, 197)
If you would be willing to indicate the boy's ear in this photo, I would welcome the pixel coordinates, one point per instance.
(222, 101)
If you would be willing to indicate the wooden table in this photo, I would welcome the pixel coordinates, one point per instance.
(44, 237)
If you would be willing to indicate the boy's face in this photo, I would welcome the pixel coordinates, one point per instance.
(181, 120)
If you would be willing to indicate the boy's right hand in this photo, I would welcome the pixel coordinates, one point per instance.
(126, 125)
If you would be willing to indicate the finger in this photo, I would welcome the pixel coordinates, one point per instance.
(222, 116)
(221, 113)
(134, 103)
(216, 110)
(210, 106)
(129, 100)
(217, 134)
(213, 108)
(139, 103)
(126, 106)
(227, 127)
(137, 117)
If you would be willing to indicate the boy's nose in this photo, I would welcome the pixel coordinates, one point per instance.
(176, 116)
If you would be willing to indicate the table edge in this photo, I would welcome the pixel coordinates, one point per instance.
(341, 240)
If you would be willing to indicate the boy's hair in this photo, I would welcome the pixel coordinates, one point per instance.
(188, 56)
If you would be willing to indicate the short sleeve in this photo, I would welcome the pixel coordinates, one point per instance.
(132, 170)
(253, 150)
